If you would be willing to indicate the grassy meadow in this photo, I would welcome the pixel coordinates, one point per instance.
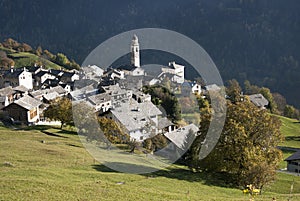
(39, 166)
(27, 59)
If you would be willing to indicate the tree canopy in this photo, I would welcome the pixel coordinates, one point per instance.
(60, 110)
(247, 146)
(162, 96)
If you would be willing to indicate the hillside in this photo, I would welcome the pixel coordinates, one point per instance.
(28, 59)
(248, 39)
(13, 53)
(291, 130)
(56, 167)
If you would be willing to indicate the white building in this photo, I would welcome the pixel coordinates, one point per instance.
(135, 52)
(176, 70)
(16, 78)
(100, 102)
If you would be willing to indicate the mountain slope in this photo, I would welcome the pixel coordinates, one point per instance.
(248, 39)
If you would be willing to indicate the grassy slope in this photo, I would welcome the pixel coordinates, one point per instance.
(60, 169)
(28, 59)
(291, 130)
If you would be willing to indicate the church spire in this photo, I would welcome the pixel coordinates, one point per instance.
(135, 51)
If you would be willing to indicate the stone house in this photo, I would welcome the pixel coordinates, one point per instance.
(24, 110)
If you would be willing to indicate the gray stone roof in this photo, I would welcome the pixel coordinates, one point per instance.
(68, 74)
(113, 89)
(181, 138)
(14, 74)
(51, 96)
(134, 115)
(164, 122)
(59, 89)
(28, 102)
(295, 156)
(21, 88)
(259, 100)
(41, 73)
(6, 91)
(99, 98)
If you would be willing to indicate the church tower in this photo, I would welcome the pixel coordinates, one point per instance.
(135, 52)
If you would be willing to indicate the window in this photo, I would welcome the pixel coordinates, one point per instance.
(33, 113)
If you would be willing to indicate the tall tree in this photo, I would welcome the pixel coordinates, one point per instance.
(247, 146)
(60, 110)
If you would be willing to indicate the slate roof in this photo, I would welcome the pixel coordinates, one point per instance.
(99, 98)
(36, 93)
(15, 74)
(110, 71)
(28, 102)
(21, 88)
(113, 89)
(33, 69)
(180, 137)
(51, 96)
(295, 156)
(51, 82)
(6, 91)
(56, 72)
(41, 73)
(81, 93)
(164, 122)
(59, 89)
(259, 100)
(135, 116)
(68, 74)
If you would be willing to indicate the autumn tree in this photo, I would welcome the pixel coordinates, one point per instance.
(268, 95)
(291, 112)
(113, 132)
(234, 91)
(39, 51)
(61, 59)
(60, 110)
(247, 146)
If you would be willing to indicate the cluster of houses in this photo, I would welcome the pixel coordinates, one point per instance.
(26, 92)
(114, 93)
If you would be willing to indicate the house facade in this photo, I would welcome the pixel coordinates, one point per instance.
(16, 78)
(293, 162)
(176, 70)
(24, 110)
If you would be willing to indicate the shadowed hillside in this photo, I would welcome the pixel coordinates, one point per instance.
(248, 39)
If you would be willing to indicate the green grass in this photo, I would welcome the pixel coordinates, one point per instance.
(36, 166)
(8, 51)
(291, 131)
(28, 59)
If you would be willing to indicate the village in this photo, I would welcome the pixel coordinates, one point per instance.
(115, 93)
